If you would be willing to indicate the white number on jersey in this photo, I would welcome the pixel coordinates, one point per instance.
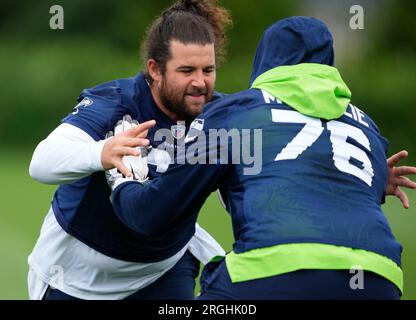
(304, 139)
(342, 150)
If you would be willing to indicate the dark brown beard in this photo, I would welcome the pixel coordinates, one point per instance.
(176, 102)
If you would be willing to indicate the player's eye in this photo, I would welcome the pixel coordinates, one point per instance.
(209, 70)
(186, 70)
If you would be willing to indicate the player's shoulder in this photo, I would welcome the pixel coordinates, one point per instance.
(101, 106)
(113, 95)
(112, 90)
(360, 118)
(218, 95)
(356, 117)
(228, 104)
(234, 100)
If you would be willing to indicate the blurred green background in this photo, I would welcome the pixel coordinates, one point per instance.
(43, 71)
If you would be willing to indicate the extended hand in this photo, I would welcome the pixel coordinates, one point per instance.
(397, 179)
(125, 144)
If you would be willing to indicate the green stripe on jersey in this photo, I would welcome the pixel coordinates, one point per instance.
(284, 258)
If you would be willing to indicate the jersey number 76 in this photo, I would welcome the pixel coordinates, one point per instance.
(339, 133)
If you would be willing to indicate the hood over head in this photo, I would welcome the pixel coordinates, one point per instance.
(294, 61)
(293, 41)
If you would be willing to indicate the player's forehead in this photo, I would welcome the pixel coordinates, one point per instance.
(191, 54)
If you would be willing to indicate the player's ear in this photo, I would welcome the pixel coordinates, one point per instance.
(154, 70)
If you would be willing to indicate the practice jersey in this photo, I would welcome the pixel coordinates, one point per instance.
(321, 181)
(83, 208)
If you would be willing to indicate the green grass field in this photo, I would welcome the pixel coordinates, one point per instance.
(25, 203)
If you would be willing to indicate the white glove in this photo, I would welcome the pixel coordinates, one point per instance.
(137, 164)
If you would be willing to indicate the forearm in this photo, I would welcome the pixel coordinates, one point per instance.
(66, 155)
(171, 198)
(138, 207)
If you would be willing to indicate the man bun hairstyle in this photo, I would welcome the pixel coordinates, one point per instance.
(188, 21)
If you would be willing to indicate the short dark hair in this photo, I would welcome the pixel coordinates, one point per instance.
(188, 21)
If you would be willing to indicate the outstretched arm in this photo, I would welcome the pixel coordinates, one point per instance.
(397, 178)
(69, 153)
(176, 195)
(66, 155)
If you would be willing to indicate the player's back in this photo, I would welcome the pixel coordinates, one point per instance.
(321, 181)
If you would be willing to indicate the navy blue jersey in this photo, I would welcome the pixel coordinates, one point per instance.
(83, 208)
(320, 181)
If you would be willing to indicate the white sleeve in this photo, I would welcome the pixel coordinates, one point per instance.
(66, 155)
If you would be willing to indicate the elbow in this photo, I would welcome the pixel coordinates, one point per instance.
(145, 227)
(38, 170)
(143, 223)
(37, 173)
(35, 170)
(138, 211)
(154, 229)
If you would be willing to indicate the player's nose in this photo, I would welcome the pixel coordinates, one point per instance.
(199, 80)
